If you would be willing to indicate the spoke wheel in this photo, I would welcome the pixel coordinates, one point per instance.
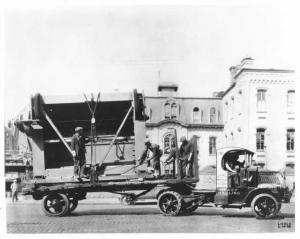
(170, 203)
(55, 205)
(265, 206)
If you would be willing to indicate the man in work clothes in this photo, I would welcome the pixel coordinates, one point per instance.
(14, 190)
(78, 149)
(186, 157)
(154, 160)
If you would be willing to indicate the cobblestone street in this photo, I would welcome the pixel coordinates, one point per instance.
(98, 216)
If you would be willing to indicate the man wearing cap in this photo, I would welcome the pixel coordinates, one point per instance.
(78, 149)
(154, 160)
(186, 157)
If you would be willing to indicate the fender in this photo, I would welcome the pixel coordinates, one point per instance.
(248, 198)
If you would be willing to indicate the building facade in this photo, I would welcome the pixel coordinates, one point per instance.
(200, 117)
(256, 112)
(259, 113)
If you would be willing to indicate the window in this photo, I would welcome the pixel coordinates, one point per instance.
(290, 139)
(290, 99)
(212, 118)
(196, 115)
(261, 99)
(167, 111)
(219, 116)
(169, 141)
(212, 145)
(202, 116)
(174, 111)
(260, 139)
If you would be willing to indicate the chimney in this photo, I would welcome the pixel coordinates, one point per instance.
(167, 89)
(246, 62)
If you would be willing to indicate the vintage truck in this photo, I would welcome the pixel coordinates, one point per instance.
(114, 126)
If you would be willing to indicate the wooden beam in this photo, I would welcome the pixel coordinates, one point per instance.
(116, 135)
(57, 132)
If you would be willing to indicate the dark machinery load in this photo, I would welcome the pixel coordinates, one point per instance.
(114, 128)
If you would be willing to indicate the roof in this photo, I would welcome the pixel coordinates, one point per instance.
(108, 97)
(255, 70)
(234, 149)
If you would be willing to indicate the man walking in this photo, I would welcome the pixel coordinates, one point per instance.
(14, 190)
(78, 148)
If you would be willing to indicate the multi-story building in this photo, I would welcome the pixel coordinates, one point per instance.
(259, 113)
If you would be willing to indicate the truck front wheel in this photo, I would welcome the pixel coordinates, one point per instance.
(265, 206)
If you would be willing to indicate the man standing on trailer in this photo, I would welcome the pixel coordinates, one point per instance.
(154, 160)
(78, 149)
(186, 157)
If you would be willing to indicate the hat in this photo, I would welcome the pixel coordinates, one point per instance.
(78, 129)
(147, 141)
(182, 138)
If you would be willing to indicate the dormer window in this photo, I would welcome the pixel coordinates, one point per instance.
(174, 111)
(167, 111)
(170, 110)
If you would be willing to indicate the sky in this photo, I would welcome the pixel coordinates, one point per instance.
(71, 50)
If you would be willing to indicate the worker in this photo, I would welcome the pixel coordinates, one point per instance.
(186, 157)
(14, 190)
(153, 162)
(78, 152)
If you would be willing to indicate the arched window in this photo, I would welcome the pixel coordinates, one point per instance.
(196, 116)
(212, 118)
(167, 111)
(169, 142)
(174, 111)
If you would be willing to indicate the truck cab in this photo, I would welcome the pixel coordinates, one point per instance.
(240, 184)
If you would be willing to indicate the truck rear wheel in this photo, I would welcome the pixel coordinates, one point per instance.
(55, 205)
(170, 203)
(265, 206)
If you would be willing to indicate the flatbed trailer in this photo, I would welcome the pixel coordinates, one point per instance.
(60, 197)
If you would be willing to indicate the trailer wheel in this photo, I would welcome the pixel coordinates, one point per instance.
(265, 206)
(55, 205)
(170, 203)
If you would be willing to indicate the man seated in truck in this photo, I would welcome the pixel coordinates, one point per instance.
(153, 162)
